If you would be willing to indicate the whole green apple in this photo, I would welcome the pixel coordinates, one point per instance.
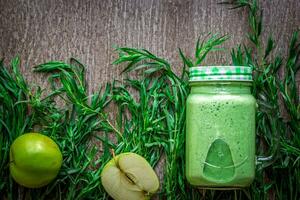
(35, 160)
(128, 176)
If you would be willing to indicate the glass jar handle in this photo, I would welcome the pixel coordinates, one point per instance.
(265, 161)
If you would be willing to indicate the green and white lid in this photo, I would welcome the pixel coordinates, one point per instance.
(220, 73)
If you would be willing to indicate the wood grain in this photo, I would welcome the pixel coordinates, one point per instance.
(40, 30)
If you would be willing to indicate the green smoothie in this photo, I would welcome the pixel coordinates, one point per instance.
(220, 134)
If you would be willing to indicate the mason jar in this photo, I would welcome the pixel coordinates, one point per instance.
(220, 127)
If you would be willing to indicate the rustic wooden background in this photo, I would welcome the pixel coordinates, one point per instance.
(43, 30)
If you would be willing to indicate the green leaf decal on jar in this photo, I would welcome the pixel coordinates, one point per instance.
(219, 165)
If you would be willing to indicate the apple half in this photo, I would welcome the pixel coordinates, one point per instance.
(128, 176)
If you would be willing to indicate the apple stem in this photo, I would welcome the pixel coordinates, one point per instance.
(112, 151)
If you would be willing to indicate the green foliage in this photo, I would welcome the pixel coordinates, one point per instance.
(278, 117)
(203, 48)
(165, 95)
(254, 17)
(24, 109)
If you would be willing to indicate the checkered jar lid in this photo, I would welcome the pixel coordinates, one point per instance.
(220, 73)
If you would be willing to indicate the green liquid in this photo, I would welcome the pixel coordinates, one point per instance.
(220, 141)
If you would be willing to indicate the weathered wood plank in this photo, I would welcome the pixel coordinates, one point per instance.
(57, 29)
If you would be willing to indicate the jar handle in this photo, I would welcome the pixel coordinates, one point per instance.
(265, 161)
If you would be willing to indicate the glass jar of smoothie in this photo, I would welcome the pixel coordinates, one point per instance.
(220, 127)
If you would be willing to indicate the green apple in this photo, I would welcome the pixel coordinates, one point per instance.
(128, 176)
(35, 160)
